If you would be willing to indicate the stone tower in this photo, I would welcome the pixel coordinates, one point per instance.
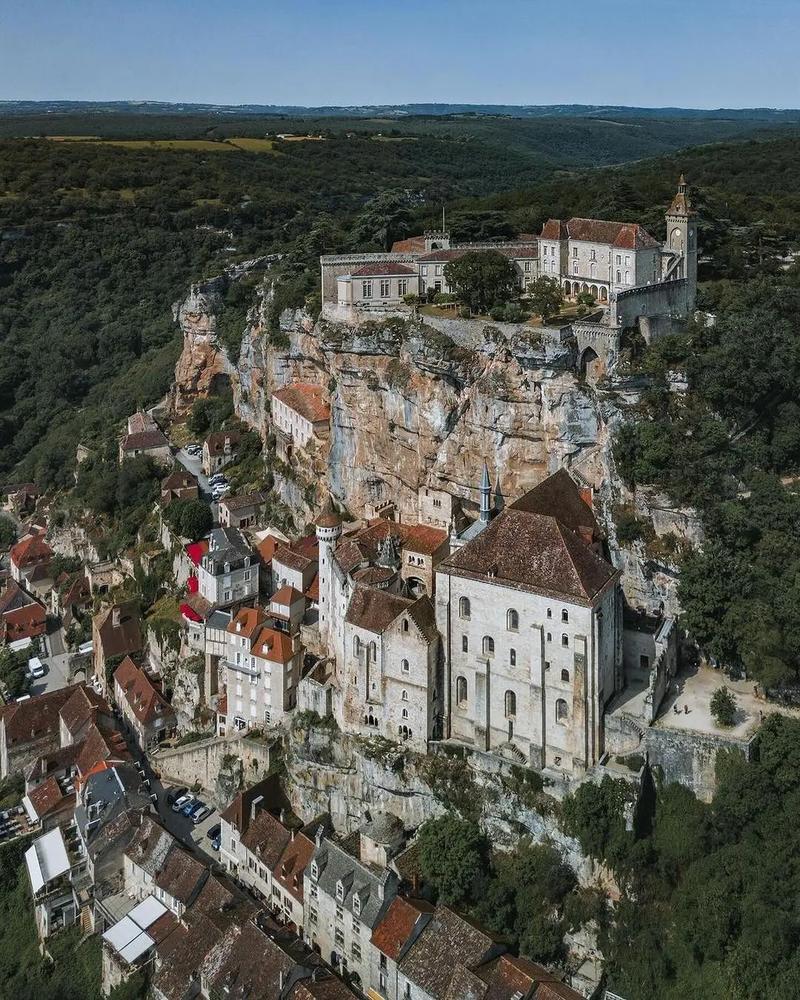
(682, 238)
(329, 530)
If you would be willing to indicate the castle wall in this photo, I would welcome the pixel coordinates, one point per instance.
(655, 307)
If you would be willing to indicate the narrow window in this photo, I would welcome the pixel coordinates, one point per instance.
(461, 691)
(564, 639)
(511, 704)
(464, 644)
(561, 710)
(464, 607)
(565, 675)
(404, 666)
(564, 615)
(512, 620)
(488, 645)
(512, 657)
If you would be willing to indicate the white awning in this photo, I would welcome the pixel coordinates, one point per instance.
(128, 936)
(46, 859)
(32, 814)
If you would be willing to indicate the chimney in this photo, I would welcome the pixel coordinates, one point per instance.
(254, 806)
(318, 835)
(116, 616)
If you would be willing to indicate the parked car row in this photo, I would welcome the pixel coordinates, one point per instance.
(12, 823)
(194, 450)
(219, 486)
(193, 808)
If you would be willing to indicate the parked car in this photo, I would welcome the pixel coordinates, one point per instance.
(175, 793)
(36, 667)
(194, 450)
(200, 814)
(220, 491)
(214, 831)
(218, 477)
(181, 801)
(199, 807)
(215, 843)
(190, 806)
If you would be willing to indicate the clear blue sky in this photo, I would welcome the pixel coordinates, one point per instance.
(704, 53)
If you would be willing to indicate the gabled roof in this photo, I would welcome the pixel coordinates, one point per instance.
(238, 812)
(383, 269)
(48, 797)
(623, 235)
(559, 496)
(215, 442)
(83, 707)
(122, 639)
(306, 399)
(532, 552)
(144, 441)
(393, 932)
(266, 837)
(247, 622)
(292, 863)
(36, 718)
(179, 479)
(447, 944)
(15, 597)
(290, 557)
(145, 700)
(274, 646)
(421, 538)
(287, 595)
(30, 550)
(242, 501)
(375, 610)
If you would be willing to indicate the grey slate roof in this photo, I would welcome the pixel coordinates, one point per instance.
(336, 864)
(228, 545)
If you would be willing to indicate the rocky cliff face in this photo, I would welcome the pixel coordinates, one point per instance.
(423, 402)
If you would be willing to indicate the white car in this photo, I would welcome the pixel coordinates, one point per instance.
(200, 815)
(220, 491)
(216, 479)
(179, 803)
(193, 449)
(36, 667)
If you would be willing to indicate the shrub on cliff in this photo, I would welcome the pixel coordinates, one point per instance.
(723, 707)
(454, 857)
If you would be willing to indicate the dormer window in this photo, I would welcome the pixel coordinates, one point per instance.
(340, 891)
(356, 904)
(227, 567)
(314, 870)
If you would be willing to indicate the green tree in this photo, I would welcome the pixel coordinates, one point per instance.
(723, 707)
(482, 279)
(189, 518)
(545, 296)
(454, 858)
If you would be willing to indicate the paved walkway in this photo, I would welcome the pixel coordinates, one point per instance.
(691, 694)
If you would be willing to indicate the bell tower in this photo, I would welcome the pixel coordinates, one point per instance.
(682, 238)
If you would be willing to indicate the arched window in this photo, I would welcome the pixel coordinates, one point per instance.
(488, 645)
(564, 639)
(405, 624)
(512, 620)
(463, 607)
(404, 666)
(564, 615)
(512, 657)
(405, 713)
(511, 704)
(549, 636)
(461, 691)
(373, 651)
(356, 645)
(565, 675)
(561, 710)
(464, 644)
(549, 612)
(404, 695)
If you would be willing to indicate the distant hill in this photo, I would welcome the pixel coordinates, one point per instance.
(773, 115)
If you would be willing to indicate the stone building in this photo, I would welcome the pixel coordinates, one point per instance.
(143, 706)
(347, 888)
(629, 273)
(300, 411)
(144, 437)
(220, 449)
(116, 632)
(29, 729)
(227, 573)
(529, 611)
(263, 666)
(179, 485)
(241, 511)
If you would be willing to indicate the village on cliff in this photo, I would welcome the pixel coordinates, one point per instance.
(429, 589)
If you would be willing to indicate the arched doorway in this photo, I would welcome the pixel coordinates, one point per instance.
(603, 294)
(589, 366)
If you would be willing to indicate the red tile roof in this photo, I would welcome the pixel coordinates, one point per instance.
(623, 235)
(26, 721)
(47, 797)
(83, 707)
(421, 538)
(30, 551)
(396, 925)
(121, 639)
(246, 622)
(25, 623)
(312, 593)
(266, 548)
(273, 646)
(383, 269)
(144, 441)
(215, 442)
(287, 595)
(306, 399)
(145, 701)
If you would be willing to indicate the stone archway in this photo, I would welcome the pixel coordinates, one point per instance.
(603, 294)
(590, 367)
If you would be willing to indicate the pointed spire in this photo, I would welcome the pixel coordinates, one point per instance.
(486, 495)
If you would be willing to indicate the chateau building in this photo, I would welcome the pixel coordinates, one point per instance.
(529, 611)
(620, 264)
(228, 572)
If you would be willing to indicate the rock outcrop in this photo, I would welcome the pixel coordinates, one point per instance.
(423, 401)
